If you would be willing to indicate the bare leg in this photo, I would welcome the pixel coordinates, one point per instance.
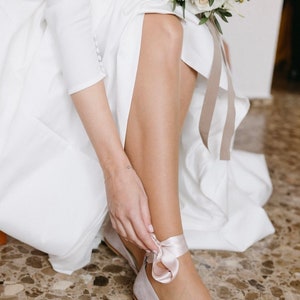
(187, 84)
(153, 138)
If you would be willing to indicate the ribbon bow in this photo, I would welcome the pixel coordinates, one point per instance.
(165, 263)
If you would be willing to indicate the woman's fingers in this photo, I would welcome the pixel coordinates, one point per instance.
(134, 230)
(117, 226)
(127, 232)
(146, 216)
(143, 234)
(133, 238)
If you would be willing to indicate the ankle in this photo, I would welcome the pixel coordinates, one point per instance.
(186, 285)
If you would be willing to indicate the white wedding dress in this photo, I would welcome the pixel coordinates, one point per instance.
(52, 194)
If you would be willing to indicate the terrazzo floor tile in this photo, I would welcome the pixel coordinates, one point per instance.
(268, 270)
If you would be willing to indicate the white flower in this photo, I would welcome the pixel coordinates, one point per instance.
(204, 11)
(201, 6)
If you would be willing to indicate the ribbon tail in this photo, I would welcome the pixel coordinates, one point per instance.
(211, 95)
(212, 90)
(229, 126)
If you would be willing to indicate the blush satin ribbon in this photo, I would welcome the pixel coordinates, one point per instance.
(165, 263)
(212, 94)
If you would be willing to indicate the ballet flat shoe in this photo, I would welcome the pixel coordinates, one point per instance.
(114, 243)
(165, 266)
(142, 288)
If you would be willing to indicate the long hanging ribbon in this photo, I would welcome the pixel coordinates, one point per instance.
(212, 94)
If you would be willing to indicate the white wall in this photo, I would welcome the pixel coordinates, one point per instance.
(252, 41)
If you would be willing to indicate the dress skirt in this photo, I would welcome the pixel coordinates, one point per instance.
(52, 193)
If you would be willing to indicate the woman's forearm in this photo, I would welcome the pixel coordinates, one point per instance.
(94, 111)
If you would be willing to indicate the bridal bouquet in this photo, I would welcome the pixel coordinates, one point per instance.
(209, 9)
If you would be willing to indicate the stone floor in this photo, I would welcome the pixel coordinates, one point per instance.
(268, 270)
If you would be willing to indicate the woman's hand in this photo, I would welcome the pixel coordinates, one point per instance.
(128, 208)
(127, 200)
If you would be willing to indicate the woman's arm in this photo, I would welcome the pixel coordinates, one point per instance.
(93, 108)
(127, 201)
(70, 22)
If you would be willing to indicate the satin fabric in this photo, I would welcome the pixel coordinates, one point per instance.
(52, 194)
(165, 264)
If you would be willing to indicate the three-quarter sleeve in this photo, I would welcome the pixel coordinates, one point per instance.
(71, 25)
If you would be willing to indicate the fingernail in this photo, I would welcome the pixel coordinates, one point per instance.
(148, 251)
(150, 227)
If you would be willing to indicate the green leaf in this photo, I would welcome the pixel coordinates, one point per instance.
(174, 4)
(217, 24)
(222, 16)
(203, 20)
(211, 2)
(225, 12)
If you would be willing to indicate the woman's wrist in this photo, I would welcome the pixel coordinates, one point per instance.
(112, 174)
(113, 165)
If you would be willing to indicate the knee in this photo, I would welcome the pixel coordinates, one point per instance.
(170, 30)
(168, 33)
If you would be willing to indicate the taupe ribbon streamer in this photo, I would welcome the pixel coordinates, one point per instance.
(212, 94)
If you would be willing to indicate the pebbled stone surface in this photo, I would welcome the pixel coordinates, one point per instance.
(269, 270)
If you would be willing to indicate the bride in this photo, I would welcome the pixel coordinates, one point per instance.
(134, 73)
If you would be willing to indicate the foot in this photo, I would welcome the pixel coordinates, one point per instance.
(186, 286)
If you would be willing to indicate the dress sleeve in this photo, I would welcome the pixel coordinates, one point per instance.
(71, 24)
